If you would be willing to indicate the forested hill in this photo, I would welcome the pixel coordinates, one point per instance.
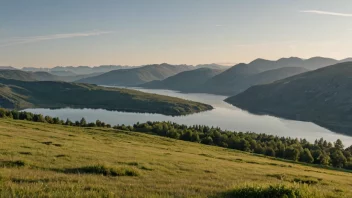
(137, 76)
(39, 75)
(241, 77)
(17, 75)
(323, 96)
(16, 94)
(184, 81)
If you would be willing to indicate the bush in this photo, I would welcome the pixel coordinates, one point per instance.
(279, 191)
(2, 113)
(104, 170)
(17, 163)
(309, 181)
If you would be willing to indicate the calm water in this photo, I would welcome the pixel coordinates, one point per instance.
(224, 116)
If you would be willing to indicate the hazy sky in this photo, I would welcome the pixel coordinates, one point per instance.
(46, 33)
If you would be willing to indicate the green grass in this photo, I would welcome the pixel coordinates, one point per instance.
(101, 162)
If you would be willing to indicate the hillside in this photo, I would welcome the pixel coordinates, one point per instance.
(184, 81)
(241, 77)
(137, 76)
(7, 68)
(63, 73)
(322, 96)
(80, 70)
(27, 94)
(29, 76)
(41, 76)
(17, 75)
(237, 78)
(211, 66)
(62, 160)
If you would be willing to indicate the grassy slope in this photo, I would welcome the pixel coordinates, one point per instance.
(166, 167)
(21, 94)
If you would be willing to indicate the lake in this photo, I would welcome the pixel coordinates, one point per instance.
(223, 115)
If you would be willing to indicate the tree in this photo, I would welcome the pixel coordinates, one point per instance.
(91, 124)
(49, 119)
(270, 152)
(9, 114)
(38, 118)
(349, 149)
(259, 149)
(68, 122)
(234, 142)
(338, 159)
(2, 113)
(187, 136)
(324, 159)
(98, 123)
(338, 144)
(83, 122)
(15, 115)
(316, 154)
(77, 123)
(306, 156)
(244, 145)
(207, 140)
(57, 120)
(173, 134)
(292, 153)
(195, 137)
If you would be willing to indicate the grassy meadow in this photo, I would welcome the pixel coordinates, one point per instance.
(44, 160)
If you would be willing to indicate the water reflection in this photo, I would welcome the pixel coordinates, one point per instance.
(223, 115)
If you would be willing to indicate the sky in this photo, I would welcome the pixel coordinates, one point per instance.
(48, 33)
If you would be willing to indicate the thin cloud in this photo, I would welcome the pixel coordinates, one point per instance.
(34, 39)
(327, 13)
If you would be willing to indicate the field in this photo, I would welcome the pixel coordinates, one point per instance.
(44, 160)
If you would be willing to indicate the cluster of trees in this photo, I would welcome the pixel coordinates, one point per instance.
(320, 152)
(22, 115)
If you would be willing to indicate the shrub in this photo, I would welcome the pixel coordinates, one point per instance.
(17, 163)
(2, 113)
(309, 181)
(279, 191)
(104, 170)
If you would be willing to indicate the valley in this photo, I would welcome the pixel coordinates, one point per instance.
(37, 156)
(175, 99)
(224, 115)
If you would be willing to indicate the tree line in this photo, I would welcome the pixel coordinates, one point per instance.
(320, 152)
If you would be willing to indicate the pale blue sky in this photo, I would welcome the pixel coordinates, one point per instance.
(46, 33)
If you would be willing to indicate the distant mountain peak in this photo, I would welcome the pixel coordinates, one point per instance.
(292, 58)
(258, 60)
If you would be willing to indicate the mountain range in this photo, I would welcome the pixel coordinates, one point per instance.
(185, 81)
(218, 80)
(80, 70)
(322, 96)
(39, 76)
(260, 71)
(137, 76)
